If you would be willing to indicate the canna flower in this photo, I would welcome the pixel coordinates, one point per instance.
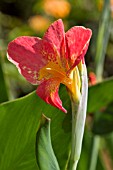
(52, 60)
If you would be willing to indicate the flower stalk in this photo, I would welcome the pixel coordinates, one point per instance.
(78, 120)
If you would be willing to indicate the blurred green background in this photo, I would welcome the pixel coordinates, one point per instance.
(18, 18)
(32, 18)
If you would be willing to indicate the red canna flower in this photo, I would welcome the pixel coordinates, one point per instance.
(51, 60)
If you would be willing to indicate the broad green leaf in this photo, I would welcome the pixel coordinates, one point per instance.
(19, 121)
(100, 95)
(46, 158)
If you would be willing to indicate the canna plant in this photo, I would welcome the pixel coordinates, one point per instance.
(57, 58)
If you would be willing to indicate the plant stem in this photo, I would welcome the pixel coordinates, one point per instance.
(78, 121)
(102, 39)
(3, 90)
(74, 159)
(94, 155)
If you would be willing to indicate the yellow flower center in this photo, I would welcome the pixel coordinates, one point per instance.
(53, 70)
(71, 81)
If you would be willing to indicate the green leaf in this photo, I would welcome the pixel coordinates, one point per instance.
(19, 122)
(46, 158)
(100, 95)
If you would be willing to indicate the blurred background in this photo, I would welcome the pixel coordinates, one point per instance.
(18, 18)
(32, 18)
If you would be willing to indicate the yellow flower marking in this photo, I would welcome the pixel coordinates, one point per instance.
(71, 81)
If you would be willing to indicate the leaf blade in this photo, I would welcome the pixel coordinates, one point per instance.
(100, 95)
(19, 121)
(46, 158)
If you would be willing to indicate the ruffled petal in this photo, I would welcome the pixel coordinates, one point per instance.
(30, 54)
(77, 40)
(56, 35)
(48, 91)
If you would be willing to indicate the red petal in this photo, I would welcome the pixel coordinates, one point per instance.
(48, 91)
(77, 39)
(55, 34)
(30, 54)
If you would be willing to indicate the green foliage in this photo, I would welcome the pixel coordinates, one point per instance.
(45, 155)
(19, 122)
(100, 95)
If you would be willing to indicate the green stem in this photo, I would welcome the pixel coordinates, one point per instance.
(5, 82)
(74, 159)
(3, 90)
(78, 121)
(102, 39)
(94, 154)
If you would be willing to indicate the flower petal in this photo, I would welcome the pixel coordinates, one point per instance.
(55, 34)
(48, 91)
(30, 54)
(77, 39)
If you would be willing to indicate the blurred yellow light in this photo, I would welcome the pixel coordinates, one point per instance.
(100, 5)
(39, 23)
(111, 1)
(57, 8)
